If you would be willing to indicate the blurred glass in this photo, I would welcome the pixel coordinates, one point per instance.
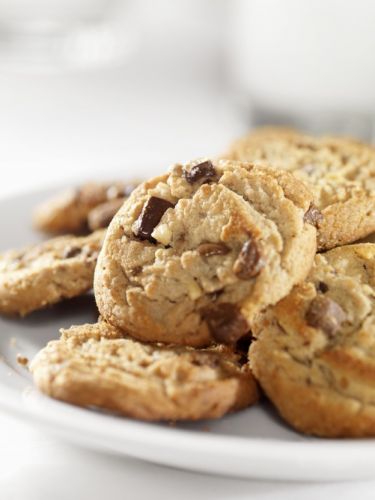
(306, 63)
(54, 34)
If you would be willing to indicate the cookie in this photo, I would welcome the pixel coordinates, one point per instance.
(48, 272)
(101, 216)
(96, 366)
(314, 353)
(68, 211)
(340, 173)
(193, 255)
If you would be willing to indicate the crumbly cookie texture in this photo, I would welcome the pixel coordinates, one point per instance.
(193, 255)
(340, 172)
(314, 353)
(48, 272)
(96, 366)
(69, 211)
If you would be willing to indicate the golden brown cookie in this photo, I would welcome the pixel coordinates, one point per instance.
(193, 255)
(68, 211)
(339, 171)
(96, 366)
(48, 272)
(314, 353)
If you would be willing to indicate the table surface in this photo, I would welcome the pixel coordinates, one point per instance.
(55, 128)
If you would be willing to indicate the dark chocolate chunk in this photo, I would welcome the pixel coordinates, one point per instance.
(249, 263)
(153, 210)
(313, 216)
(226, 323)
(322, 287)
(202, 172)
(209, 249)
(325, 314)
(71, 251)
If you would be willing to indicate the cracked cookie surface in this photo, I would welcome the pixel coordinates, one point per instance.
(96, 366)
(75, 210)
(340, 172)
(314, 353)
(194, 254)
(43, 274)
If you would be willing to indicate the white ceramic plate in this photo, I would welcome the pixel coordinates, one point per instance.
(253, 443)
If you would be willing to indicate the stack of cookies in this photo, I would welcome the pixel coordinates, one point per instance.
(216, 277)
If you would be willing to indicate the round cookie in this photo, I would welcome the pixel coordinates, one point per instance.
(193, 255)
(314, 353)
(48, 272)
(69, 210)
(340, 172)
(95, 365)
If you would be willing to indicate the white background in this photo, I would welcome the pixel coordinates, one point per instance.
(161, 106)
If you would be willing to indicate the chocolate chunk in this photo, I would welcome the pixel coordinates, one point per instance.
(226, 323)
(325, 314)
(71, 251)
(202, 172)
(209, 249)
(313, 216)
(152, 212)
(249, 262)
(322, 287)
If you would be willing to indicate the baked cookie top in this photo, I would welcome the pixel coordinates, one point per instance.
(69, 210)
(192, 255)
(96, 366)
(45, 273)
(340, 172)
(315, 350)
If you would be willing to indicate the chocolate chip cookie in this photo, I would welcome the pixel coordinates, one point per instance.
(96, 366)
(48, 272)
(193, 255)
(314, 353)
(70, 210)
(340, 173)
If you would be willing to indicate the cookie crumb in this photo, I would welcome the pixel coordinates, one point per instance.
(22, 360)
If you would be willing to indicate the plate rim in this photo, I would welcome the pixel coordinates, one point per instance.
(175, 439)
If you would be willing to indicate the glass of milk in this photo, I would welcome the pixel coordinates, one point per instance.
(53, 34)
(306, 63)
